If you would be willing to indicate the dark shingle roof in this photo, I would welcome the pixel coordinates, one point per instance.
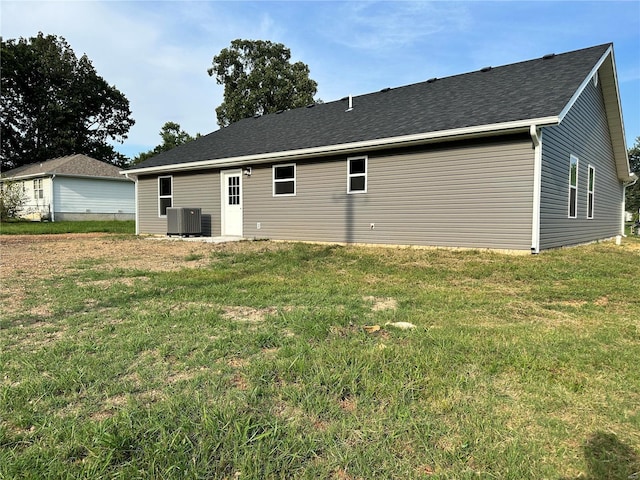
(527, 90)
(76, 165)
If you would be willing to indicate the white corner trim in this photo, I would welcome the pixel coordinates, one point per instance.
(536, 137)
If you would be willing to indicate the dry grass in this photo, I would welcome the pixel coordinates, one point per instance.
(128, 355)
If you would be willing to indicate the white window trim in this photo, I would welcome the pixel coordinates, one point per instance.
(572, 187)
(591, 179)
(350, 175)
(164, 196)
(282, 180)
(38, 189)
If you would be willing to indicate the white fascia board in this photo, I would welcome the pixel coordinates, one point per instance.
(66, 175)
(27, 177)
(620, 147)
(402, 141)
(619, 143)
(95, 177)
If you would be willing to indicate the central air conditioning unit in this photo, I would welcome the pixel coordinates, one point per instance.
(184, 221)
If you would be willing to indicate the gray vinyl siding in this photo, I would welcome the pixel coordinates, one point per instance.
(476, 194)
(199, 189)
(583, 132)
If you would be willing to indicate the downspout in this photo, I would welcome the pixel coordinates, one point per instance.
(52, 205)
(135, 200)
(536, 137)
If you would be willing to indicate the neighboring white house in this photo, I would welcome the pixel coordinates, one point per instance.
(75, 187)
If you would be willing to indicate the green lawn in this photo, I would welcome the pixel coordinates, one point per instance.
(39, 228)
(258, 365)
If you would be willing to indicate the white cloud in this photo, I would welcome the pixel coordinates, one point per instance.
(381, 26)
(157, 54)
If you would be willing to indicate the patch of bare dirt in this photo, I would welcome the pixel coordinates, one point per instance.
(248, 314)
(27, 258)
(381, 303)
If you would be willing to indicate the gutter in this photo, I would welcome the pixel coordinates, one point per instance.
(67, 175)
(536, 137)
(401, 141)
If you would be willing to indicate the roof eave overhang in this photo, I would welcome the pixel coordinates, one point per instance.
(354, 147)
(26, 177)
(69, 175)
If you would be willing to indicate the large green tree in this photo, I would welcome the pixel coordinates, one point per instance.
(54, 103)
(259, 78)
(632, 199)
(172, 136)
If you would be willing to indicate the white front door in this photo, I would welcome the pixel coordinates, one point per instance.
(231, 217)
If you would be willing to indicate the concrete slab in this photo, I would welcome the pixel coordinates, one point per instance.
(223, 239)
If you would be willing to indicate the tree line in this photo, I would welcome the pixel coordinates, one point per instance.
(54, 103)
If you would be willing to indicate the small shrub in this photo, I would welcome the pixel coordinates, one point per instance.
(11, 200)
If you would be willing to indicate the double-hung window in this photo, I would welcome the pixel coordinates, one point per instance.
(38, 191)
(573, 186)
(165, 194)
(357, 175)
(284, 180)
(590, 188)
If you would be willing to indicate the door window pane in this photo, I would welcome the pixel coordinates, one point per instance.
(234, 190)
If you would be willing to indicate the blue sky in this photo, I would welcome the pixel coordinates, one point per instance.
(157, 53)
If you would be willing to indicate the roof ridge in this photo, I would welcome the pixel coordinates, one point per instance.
(521, 62)
(433, 80)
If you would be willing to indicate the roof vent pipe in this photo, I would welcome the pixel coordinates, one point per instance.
(350, 104)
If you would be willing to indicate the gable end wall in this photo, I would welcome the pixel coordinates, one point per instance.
(583, 132)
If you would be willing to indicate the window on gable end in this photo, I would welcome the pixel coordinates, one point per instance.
(590, 191)
(573, 186)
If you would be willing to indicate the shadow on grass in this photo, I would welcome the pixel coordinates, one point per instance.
(607, 458)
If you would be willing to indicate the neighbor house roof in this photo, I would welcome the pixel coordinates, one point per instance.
(500, 99)
(72, 165)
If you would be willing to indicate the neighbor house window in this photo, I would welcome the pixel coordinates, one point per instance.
(573, 187)
(357, 175)
(165, 194)
(284, 180)
(38, 191)
(591, 184)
